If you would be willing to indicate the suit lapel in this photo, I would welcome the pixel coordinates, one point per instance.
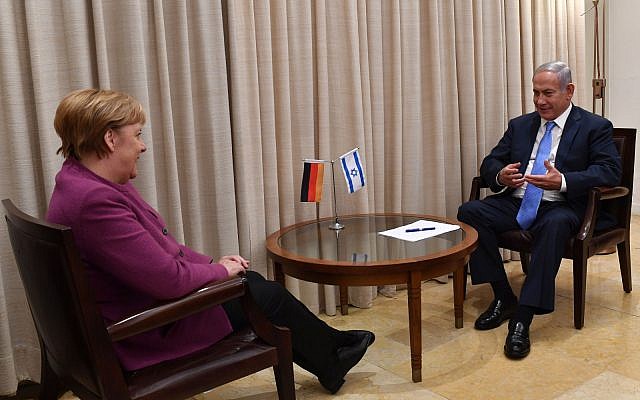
(568, 135)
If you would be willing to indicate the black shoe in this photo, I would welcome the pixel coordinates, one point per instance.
(347, 358)
(495, 315)
(517, 344)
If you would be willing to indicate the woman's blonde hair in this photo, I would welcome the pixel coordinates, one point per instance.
(84, 116)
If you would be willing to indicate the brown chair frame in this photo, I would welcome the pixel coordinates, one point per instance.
(76, 346)
(588, 242)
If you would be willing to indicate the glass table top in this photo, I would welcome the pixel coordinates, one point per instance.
(359, 241)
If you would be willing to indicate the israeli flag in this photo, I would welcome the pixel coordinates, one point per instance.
(352, 169)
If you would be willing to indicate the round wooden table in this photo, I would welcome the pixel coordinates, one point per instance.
(358, 256)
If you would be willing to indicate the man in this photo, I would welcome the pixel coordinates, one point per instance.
(541, 169)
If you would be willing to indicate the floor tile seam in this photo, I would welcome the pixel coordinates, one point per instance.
(602, 306)
(389, 371)
(631, 314)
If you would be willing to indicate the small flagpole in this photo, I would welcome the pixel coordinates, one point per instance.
(336, 225)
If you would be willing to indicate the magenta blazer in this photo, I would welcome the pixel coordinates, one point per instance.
(134, 263)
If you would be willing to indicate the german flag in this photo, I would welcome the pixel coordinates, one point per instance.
(312, 178)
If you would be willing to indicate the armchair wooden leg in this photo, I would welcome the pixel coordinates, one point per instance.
(50, 387)
(624, 257)
(283, 372)
(524, 260)
(284, 382)
(344, 300)
(579, 288)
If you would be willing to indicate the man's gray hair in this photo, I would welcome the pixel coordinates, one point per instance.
(559, 68)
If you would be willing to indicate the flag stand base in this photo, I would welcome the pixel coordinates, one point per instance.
(336, 226)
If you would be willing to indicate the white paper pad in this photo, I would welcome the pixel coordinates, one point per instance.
(401, 231)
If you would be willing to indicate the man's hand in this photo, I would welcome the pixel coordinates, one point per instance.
(509, 176)
(552, 180)
(234, 264)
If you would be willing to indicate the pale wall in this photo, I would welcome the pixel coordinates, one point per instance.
(622, 44)
(623, 85)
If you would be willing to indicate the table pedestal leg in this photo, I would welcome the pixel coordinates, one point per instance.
(415, 325)
(458, 294)
(344, 300)
(277, 273)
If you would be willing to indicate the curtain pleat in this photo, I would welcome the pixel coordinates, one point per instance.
(238, 93)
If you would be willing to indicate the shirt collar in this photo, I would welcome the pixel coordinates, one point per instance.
(562, 118)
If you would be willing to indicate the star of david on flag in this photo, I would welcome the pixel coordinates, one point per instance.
(352, 169)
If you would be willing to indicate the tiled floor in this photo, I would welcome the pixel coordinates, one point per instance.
(601, 361)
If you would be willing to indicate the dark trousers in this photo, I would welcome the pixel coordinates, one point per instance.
(313, 341)
(555, 223)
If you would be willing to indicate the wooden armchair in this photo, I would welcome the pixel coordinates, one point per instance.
(588, 241)
(76, 346)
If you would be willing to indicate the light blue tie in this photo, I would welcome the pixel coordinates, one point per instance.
(533, 194)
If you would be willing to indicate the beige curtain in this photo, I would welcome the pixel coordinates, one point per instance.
(239, 92)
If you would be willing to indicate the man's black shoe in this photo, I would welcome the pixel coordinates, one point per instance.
(347, 358)
(495, 315)
(517, 344)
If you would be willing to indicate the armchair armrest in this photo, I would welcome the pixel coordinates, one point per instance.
(476, 184)
(208, 296)
(608, 193)
(595, 195)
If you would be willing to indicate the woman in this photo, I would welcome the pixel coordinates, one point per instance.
(134, 263)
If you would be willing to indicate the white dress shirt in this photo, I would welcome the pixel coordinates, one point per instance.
(556, 134)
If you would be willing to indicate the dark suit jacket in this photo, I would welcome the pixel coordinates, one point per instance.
(586, 154)
(133, 263)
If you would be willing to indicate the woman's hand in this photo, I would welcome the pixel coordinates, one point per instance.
(234, 264)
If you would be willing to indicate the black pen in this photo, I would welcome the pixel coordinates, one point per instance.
(420, 229)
